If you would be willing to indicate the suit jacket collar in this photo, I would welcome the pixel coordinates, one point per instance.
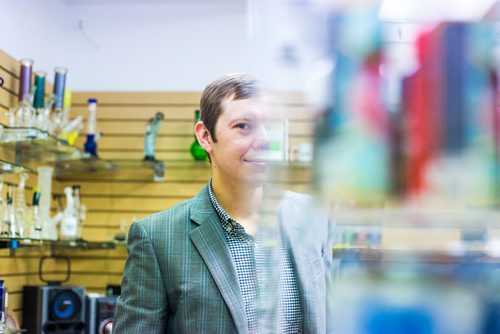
(210, 242)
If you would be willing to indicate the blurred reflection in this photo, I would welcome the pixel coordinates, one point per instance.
(405, 157)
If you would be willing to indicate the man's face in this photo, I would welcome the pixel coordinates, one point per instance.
(241, 137)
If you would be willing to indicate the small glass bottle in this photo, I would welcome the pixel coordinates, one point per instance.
(39, 96)
(9, 227)
(25, 80)
(20, 205)
(42, 120)
(59, 86)
(4, 297)
(23, 114)
(90, 145)
(197, 151)
(69, 222)
(77, 207)
(68, 96)
(36, 222)
(3, 317)
(58, 95)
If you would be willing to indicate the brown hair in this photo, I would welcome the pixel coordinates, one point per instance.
(237, 86)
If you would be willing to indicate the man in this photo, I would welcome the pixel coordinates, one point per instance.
(206, 265)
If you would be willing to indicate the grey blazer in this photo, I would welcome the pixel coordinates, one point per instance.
(179, 276)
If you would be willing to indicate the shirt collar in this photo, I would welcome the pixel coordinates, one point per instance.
(229, 225)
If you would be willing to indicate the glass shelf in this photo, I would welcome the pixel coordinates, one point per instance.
(7, 330)
(25, 145)
(86, 165)
(15, 134)
(28, 144)
(84, 244)
(9, 167)
(6, 242)
(158, 167)
(137, 164)
(192, 164)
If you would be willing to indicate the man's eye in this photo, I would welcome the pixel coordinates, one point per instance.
(244, 126)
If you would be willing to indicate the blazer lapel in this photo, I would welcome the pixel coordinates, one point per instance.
(209, 240)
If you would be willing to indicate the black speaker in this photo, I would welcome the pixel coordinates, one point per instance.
(99, 312)
(54, 309)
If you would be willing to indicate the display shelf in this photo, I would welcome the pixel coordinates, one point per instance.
(25, 145)
(9, 167)
(14, 243)
(137, 164)
(416, 235)
(85, 165)
(32, 144)
(157, 166)
(7, 330)
(84, 244)
(16, 134)
(192, 164)
(423, 217)
(456, 253)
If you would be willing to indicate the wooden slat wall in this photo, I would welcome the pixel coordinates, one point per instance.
(115, 199)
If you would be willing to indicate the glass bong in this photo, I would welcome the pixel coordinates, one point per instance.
(151, 135)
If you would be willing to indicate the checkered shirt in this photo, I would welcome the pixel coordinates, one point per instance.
(253, 260)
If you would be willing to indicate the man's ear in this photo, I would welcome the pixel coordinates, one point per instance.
(203, 136)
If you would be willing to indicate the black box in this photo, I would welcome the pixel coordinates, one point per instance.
(54, 309)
